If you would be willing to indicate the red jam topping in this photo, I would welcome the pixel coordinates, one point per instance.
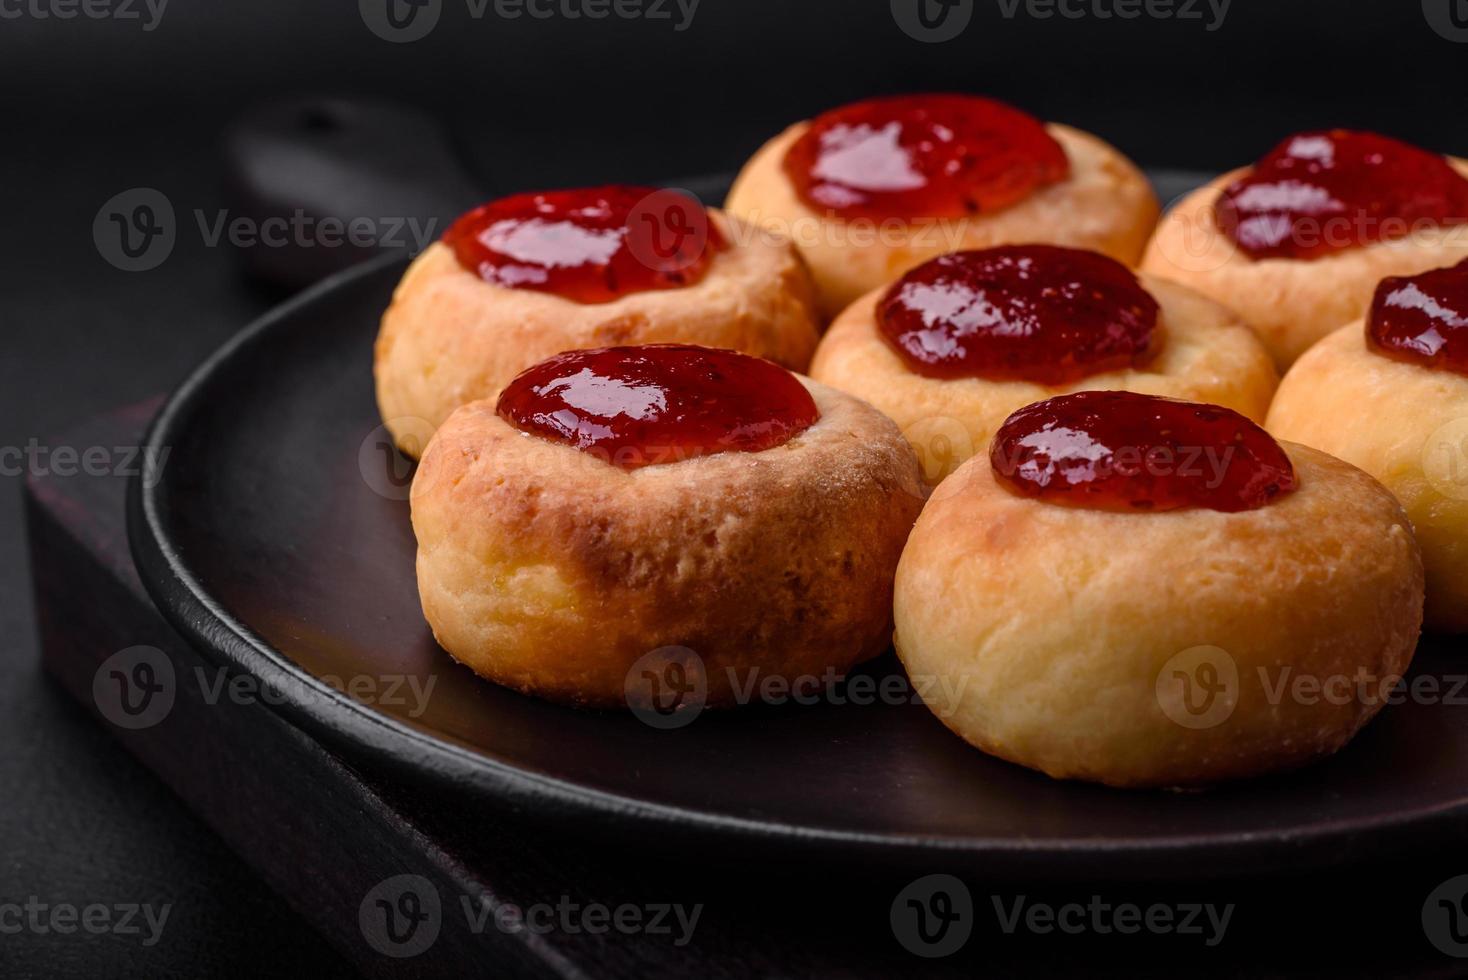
(1423, 319)
(591, 245)
(1324, 192)
(1022, 312)
(939, 156)
(636, 406)
(1115, 450)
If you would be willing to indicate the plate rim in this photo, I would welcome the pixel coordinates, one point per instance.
(357, 730)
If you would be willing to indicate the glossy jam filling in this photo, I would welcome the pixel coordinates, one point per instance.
(1423, 319)
(637, 406)
(1115, 450)
(1324, 192)
(591, 245)
(940, 156)
(1025, 312)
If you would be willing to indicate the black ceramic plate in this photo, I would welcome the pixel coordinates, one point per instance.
(277, 539)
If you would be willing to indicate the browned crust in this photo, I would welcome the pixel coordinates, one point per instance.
(1207, 355)
(1291, 304)
(550, 571)
(449, 337)
(1049, 626)
(1106, 205)
(1405, 425)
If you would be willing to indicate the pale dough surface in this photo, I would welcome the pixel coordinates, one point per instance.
(1105, 205)
(1207, 355)
(550, 571)
(449, 337)
(1405, 425)
(1290, 303)
(1042, 630)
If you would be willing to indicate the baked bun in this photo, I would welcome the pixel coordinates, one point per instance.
(1291, 303)
(1159, 649)
(1103, 203)
(553, 571)
(450, 336)
(1203, 352)
(1407, 426)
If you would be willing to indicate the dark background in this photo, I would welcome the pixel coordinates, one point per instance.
(94, 107)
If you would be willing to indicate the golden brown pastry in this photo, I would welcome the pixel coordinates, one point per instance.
(869, 190)
(620, 502)
(1260, 241)
(525, 277)
(1390, 395)
(1143, 592)
(956, 345)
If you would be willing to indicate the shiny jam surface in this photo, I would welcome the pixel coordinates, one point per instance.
(1119, 451)
(941, 156)
(590, 245)
(1423, 319)
(1025, 312)
(1323, 192)
(637, 406)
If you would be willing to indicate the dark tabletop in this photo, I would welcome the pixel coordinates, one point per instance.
(95, 107)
